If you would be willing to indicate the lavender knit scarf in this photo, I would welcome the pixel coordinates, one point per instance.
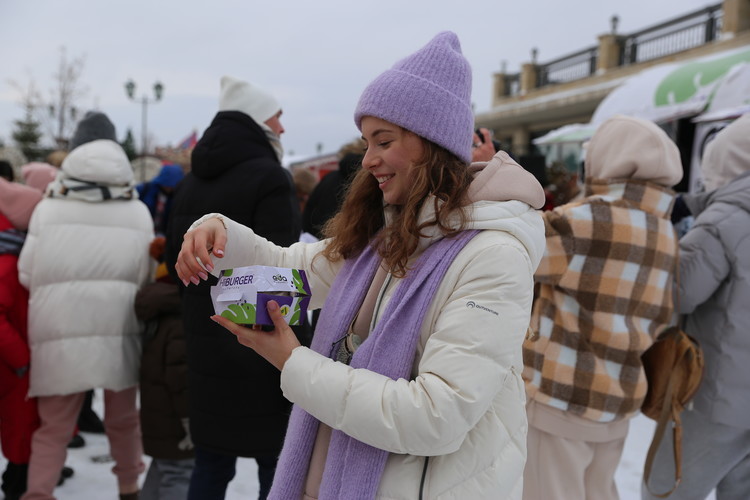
(353, 468)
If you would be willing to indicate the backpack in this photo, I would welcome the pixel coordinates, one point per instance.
(674, 369)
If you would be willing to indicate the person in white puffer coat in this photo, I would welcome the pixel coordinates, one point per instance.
(412, 386)
(85, 257)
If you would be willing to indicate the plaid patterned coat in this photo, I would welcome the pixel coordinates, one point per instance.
(605, 291)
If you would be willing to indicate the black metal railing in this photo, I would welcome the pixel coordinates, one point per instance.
(568, 68)
(512, 84)
(676, 35)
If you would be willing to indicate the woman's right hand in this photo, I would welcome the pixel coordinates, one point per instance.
(194, 260)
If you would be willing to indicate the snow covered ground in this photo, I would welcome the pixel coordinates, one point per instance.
(93, 480)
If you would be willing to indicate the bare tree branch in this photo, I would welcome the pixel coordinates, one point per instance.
(66, 92)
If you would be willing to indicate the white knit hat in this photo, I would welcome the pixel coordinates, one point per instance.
(237, 95)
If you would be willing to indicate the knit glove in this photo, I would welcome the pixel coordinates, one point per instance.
(187, 442)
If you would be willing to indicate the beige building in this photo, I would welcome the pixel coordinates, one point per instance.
(581, 89)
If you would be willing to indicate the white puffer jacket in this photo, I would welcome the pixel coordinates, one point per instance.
(464, 406)
(83, 263)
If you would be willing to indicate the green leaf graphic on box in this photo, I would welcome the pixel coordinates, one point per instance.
(244, 314)
(227, 272)
(685, 81)
(297, 278)
(295, 316)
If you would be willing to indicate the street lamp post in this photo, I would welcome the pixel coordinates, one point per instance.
(158, 92)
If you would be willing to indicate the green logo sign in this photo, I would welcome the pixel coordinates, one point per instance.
(684, 82)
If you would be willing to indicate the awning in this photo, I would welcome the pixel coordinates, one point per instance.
(714, 87)
(731, 98)
(671, 90)
(574, 132)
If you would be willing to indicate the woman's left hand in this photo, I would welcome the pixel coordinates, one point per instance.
(275, 346)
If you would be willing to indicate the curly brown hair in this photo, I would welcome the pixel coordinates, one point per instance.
(439, 175)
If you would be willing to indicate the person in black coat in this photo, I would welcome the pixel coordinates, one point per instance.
(236, 407)
(325, 200)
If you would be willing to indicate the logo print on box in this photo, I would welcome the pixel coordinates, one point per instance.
(299, 283)
(240, 313)
(284, 310)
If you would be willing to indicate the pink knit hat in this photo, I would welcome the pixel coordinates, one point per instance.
(17, 202)
(428, 93)
(38, 175)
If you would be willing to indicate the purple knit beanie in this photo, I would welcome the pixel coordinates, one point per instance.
(428, 93)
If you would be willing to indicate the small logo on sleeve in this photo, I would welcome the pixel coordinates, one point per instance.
(473, 305)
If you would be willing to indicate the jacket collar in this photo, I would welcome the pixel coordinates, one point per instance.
(737, 193)
(644, 195)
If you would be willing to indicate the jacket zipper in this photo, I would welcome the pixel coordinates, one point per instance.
(424, 477)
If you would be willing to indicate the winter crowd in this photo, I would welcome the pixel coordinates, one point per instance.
(467, 344)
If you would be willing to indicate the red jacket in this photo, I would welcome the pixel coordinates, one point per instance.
(14, 306)
(17, 412)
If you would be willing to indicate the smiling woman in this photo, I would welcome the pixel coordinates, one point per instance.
(407, 391)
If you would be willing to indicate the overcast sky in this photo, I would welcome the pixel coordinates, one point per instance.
(316, 57)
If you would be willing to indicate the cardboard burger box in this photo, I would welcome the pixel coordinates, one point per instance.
(242, 293)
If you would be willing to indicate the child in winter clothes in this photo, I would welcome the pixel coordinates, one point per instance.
(605, 293)
(163, 387)
(714, 294)
(411, 388)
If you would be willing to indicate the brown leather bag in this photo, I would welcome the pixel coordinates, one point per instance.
(674, 369)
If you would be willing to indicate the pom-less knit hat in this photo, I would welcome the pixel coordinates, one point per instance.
(17, 203)
(237, 95)
(94, 126)
(428, 93)
(38, 175)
